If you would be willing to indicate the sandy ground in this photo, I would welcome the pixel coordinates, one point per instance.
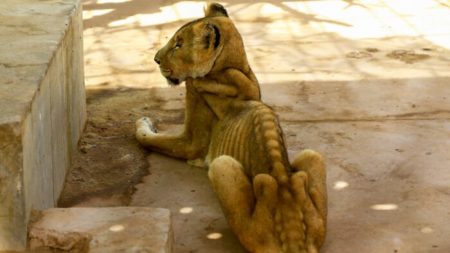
(363, 82)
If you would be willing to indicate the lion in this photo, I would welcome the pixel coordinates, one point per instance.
(270, 204)
(207, 50)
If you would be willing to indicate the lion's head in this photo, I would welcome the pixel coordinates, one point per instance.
(203, 46)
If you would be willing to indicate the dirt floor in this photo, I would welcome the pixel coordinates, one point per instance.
(110, 168)
(374, 101)
(109, 160)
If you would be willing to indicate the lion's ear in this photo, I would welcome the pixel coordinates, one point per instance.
(211, 36)
(215, 10)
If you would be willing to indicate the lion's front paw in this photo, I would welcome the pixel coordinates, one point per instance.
(144, 128)
(145, 123)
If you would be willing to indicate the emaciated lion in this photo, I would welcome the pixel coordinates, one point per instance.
(270, 204)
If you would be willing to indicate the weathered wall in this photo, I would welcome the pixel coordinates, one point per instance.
(42, 107)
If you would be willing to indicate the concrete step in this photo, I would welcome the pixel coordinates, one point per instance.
(98, 230)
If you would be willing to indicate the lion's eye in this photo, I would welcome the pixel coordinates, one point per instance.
(178, 45)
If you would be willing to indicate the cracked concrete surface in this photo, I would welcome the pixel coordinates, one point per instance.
(363, 82)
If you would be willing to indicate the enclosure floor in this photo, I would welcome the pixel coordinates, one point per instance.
(373, 98)
(387, 179)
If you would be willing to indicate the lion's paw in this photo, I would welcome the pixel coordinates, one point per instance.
(144, 128)
(146, 122)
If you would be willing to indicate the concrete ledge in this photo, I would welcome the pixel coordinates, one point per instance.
(42, 107)
(116, 229)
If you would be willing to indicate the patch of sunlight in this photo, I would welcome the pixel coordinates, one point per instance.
(339, 185)
(172, 13)
(186, 210)
(375, 19)
(328, 7)
(190, 9)
(214, 236)
(426, 230)
(116, 228)
(122, 22)
(384, 207)
(94, 13)
(112, 1)
(175, 12)
(270, 10)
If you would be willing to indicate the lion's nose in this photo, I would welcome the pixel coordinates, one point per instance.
(157, 60)
(157, 57)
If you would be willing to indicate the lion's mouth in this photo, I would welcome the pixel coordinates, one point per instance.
(166, 73)
(173, 81)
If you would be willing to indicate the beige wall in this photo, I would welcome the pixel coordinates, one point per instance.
(37, 139)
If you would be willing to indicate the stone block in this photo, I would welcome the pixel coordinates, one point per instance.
(116, 229)
(42, 107)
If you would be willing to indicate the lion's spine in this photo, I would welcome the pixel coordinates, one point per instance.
(289, 224)
(268, 130)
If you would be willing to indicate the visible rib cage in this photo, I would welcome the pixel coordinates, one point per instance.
(253, 137)
(253, 133)
(232, 140)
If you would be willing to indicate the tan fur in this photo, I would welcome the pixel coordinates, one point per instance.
(263, 196)
(216, 73)
(271, 205)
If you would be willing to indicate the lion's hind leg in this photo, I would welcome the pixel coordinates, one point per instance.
(248, 206)
(309, 184)
(232, 188)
